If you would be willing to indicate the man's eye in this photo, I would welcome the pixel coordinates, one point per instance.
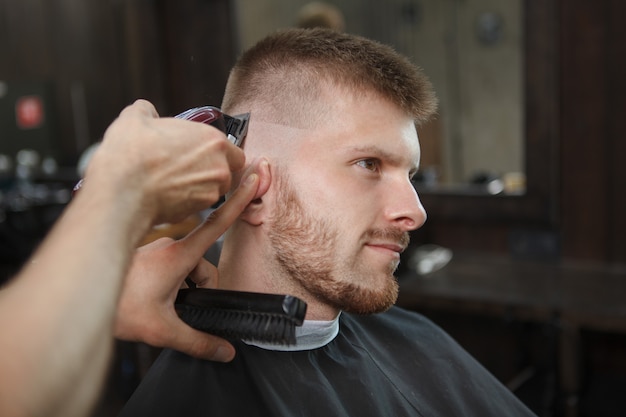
(369, 164)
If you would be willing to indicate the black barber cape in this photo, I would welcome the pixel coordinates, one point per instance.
(393, 364)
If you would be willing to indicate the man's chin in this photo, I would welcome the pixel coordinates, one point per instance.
(370, 302)
(368, 311)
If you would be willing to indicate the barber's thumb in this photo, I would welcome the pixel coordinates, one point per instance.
(262, 169)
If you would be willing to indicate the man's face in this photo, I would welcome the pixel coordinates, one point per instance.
(345, 205)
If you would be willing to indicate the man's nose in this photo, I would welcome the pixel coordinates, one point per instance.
(404, 208)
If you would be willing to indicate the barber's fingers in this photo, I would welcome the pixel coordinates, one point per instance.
(142, 107)
(196, 343)
(204, 274)
(235, 156)
(159, 243)
(199, 240)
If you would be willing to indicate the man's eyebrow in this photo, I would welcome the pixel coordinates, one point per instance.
(392, 158)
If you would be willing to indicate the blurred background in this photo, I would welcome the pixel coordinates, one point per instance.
(523, 256)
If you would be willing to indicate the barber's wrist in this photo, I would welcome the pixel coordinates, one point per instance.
(129, 200)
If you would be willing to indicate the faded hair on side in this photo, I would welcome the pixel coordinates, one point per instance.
(286, 71)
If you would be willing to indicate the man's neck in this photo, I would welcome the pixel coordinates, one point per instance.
(245, 266)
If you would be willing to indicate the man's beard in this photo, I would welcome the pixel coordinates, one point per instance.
(304, 247)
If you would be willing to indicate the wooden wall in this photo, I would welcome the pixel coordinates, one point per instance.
(593, 130)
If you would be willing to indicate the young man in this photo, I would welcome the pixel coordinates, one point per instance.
(335, 115)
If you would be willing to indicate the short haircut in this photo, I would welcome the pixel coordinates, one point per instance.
(286, 72)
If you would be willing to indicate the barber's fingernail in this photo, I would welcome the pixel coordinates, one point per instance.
(251, 179)
(223, 354)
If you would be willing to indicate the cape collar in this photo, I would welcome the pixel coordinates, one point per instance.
(313, 334)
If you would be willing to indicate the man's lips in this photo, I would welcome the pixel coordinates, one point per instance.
(389, 247)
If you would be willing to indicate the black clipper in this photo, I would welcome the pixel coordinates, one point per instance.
(235, 127)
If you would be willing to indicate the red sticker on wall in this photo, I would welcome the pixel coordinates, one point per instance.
(29, 112)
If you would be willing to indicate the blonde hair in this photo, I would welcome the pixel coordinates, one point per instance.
(287, 71)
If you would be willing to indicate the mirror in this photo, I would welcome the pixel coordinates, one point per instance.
(472, 50)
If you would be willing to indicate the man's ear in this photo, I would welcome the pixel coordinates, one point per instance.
(257, 210)
(254, 214)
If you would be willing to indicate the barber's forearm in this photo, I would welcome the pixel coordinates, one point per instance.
(57, 315)
(59, 312)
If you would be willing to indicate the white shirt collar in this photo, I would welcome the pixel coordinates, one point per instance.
(313, 334)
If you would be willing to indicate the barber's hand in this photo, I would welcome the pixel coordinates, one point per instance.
(177, 167)
(146, 308)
